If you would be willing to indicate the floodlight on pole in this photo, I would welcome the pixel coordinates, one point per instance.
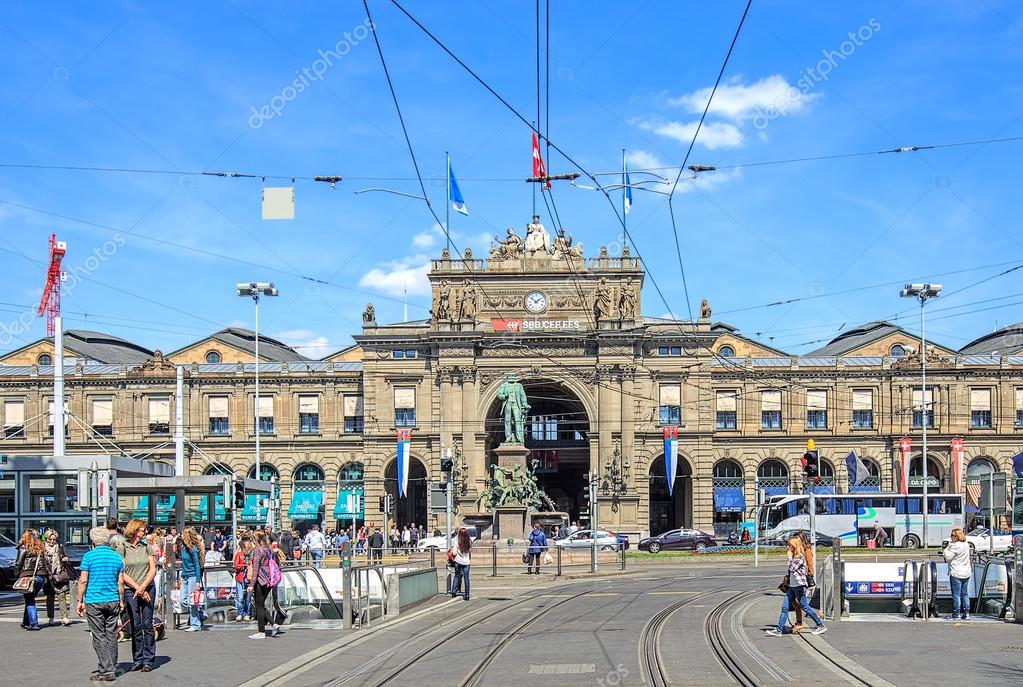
(923, 292)
(254, 290)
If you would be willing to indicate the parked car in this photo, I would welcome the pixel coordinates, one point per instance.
(441, 543)
(8, 554)
(782, 539)
(979, 540)
(583, 539)
(678, 540)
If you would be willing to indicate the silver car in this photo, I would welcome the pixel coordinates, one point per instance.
(606, 541)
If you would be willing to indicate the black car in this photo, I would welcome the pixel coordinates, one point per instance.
(678, 540)
(782, 538)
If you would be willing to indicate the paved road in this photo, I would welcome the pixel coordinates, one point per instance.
(598, 633)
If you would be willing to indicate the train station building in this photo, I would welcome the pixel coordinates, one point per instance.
(603, 380)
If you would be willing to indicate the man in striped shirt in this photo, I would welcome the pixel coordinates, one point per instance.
(101, 600)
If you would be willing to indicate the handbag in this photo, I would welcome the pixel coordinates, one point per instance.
(198, 598)
(548, 559)
(811, 581)
(525, 558)
(784, 586)
(26, 584)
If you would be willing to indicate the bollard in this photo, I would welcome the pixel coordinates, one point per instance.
(493, 562)
(837, 585)
(559, 561)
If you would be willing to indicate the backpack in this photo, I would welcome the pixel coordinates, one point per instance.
(273, 570)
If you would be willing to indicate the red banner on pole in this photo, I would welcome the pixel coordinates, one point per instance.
(957, 452)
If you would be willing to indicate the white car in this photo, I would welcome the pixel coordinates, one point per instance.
(979, 540)
(441, 543)
(8, 554)
(606, 541)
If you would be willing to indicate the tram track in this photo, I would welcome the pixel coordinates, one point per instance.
(714, 630)
(650, 639)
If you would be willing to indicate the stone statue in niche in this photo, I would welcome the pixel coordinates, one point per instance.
(602, 301)
(627, 302)
(467, 310)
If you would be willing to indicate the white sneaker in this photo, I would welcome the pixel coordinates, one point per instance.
(258, 635)
(190, 628)
(820, 629)
(275, 630)
(773, 632)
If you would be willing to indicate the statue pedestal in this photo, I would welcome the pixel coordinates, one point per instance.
(510, 455)
(511, 521)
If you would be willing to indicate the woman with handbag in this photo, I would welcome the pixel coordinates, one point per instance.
(793, 585)
(263, 576)
(811, 577)
(190, 550)
(32, 575)
(140, 594)
(58, 586)
(460, 556)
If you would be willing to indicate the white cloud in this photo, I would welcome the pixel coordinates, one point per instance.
(739, 102)
(306, 342)
(424, 240)
(643, 159)
(713, 135)
(394, 277)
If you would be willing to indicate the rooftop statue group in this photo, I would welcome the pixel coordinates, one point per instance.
(454, 301)
(537, 243)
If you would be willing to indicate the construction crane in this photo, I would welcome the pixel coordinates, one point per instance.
(50, 302)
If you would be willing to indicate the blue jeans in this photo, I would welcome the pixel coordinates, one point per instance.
(30, 617)
(143, 641)
(461, 573)
(242, 600)
(195, 613)
(796, 595)
(317, 555)
(960, 595)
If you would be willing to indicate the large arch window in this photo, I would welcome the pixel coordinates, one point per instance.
(256, 506)
(307, 494)
(266, 472)
(977, 474)
(916, 475)
(773, 477)
(674, 510)
(350, 506)
(412, 508)
(872, 481)
(824, 483)
(729, 489)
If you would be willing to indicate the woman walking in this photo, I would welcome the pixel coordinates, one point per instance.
(460, 555)
(190, 550)
(960, 567)
(242, 596)
(140, 594)
(811, 578)
(58, 584)
(537, 546)
(32, 575)
(794, 586)
(261, 565)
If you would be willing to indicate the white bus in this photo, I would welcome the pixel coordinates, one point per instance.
(851, 517)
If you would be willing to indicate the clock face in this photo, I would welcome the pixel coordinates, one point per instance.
(536, 301)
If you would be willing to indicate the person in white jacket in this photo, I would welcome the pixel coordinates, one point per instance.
(960, 567)
(460, 554)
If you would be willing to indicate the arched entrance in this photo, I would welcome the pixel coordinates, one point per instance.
(557, 435)
(729, 487)
(978, 474)
(306, 507)
(350, 505)
(934, 476)
(670, 511)
(773, 477)
(412, 507)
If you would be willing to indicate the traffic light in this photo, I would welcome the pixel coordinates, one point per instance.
(383, 504)
(811, 463)
(446, 464)
(386, 501)
(239, 494)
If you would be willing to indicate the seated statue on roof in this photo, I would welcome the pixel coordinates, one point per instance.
(511, 247)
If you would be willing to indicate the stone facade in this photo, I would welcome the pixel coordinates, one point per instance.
(602, 381)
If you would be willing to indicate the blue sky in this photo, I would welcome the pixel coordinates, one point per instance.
(179, 88)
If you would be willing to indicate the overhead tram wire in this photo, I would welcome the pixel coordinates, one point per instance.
(590, 175)
(696, 133)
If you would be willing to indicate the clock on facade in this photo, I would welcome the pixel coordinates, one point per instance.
(536, 301)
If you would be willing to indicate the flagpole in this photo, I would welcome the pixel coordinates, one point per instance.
(534, 185)
(447, 205)
(625, 191)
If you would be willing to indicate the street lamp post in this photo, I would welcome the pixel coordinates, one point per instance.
(923, 292)
(254, 290)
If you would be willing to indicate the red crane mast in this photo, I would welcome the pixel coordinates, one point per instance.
(50, 302)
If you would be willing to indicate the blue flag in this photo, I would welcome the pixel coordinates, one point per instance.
(457, 202)
(627, 190)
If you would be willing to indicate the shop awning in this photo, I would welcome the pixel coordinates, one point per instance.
(350, 504)
(305, 505)
(729, 500)
(774, 491)
(254, 510)
(821, 489)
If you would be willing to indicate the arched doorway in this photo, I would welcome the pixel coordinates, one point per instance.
(256, 508)
(934, 476)
(350, 506)
(978, 474)
(557, 435)
(729, 491)
(872, 482)
(412, 507)
(670, 511)
(306, 507)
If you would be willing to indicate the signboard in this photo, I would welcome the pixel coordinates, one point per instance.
(873, 579)
(438, 498)
(918, 481)
(503, 325)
